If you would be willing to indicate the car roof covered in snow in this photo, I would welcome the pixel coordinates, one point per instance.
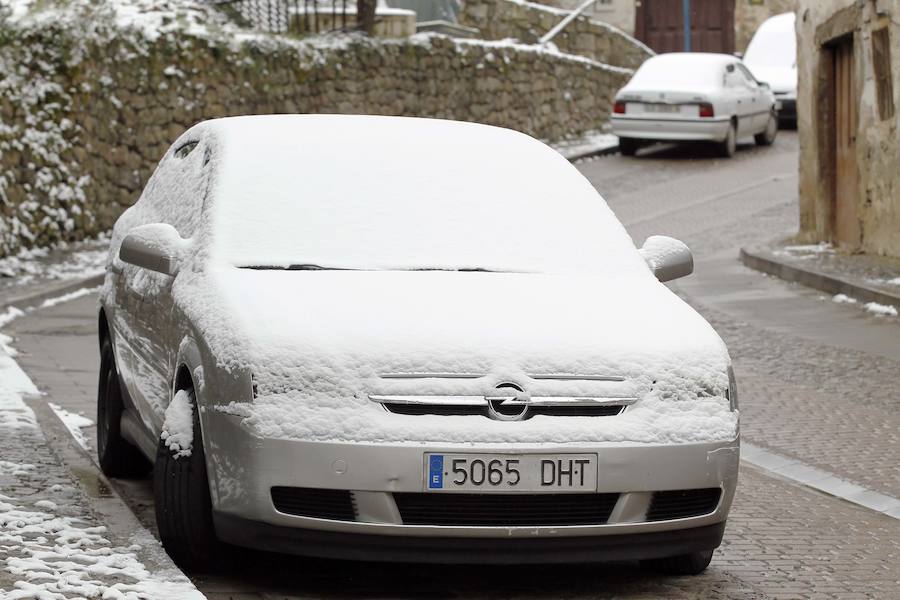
(681, 71)
(396, 193)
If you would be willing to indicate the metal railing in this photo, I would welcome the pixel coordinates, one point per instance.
(291, 16)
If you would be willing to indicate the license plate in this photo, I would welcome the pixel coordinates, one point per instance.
(662, 108)
(499, 473)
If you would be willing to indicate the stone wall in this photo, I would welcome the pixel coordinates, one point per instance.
(618, 13)
(528, 21)
(85, 114)
(875, 213)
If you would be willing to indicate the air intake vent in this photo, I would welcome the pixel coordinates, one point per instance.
(336, 505)
(680, 504)
(505, 510)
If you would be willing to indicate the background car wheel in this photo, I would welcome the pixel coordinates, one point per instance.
(767, 137)
(628, 146)
(685, 564)
(183, 504)
(117, 457)
(728, 146)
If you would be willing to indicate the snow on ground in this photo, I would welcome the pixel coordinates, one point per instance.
(67, 297)
(591, 141)
(74, 423)
(843, 299)
(51, 555)
(880, 309)
(64, 261)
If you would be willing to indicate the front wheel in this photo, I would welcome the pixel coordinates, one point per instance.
(117, 456)
(767, 136)
(684, 564)
(181, 490)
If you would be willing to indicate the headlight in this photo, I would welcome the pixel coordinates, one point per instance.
(732, 392)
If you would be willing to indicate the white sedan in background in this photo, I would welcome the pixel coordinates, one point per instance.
(694, 97)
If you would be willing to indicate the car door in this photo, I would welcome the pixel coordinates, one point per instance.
(744, 99)
(174, 196)
(760, 112)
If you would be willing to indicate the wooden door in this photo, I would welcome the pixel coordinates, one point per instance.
(846, 176)
(660, 25)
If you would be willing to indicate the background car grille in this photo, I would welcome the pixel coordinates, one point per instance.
(554, 411)
(679, 504)
(504, 509)
(336, 505)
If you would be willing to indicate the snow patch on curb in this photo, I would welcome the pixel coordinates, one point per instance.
(74, 423)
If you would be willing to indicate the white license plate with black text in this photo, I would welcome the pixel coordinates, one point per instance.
(499, 473)
(662, 108)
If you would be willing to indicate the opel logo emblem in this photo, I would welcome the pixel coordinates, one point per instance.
(510, 404)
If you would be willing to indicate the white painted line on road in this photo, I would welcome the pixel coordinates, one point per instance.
(820, 480)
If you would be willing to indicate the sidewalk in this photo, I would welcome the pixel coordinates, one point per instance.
(33, 276)
(871, 281)
(64, 532)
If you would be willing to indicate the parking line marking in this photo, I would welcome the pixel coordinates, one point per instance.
(823, 481)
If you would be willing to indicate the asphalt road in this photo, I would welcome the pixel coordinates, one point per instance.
(817, 384)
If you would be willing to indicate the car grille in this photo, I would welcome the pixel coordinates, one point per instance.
(504, 509)
(336, 505)
(680, 504)
(553, 411)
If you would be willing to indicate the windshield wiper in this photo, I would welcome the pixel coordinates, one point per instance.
(461, 270)
(300, 267)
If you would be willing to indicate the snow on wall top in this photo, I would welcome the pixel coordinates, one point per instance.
(366, 192)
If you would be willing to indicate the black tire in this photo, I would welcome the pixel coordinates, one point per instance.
(628, 146)
(684, 564)
(183, 505)
(767, 137)
(117, 456)
(727, 147)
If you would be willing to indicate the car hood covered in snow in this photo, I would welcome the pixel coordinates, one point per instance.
(318, 343)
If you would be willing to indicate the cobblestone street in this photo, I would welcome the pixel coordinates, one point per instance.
(817, 384)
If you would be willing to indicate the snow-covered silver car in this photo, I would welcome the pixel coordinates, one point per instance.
(407, 339)
(693, 97)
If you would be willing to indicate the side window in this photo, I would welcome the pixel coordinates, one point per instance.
(176, 191)
(749, 79)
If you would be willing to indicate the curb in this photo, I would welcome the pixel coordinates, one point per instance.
(816, 279)
(122, 525)
(605, 151)
(34, 299)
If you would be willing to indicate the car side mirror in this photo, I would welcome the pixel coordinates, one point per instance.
(739, 55)
(156, 246)
(764, 84)
(667, 257)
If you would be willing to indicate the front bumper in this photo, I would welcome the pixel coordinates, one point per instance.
(243, 468)
(693, 129)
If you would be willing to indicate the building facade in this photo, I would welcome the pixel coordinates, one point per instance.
(848, 123)
(716, 25)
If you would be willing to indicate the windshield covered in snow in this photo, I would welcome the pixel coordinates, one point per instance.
(774, 44)
(679, 71)
(379, 193)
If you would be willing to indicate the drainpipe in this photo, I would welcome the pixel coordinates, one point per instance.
(569, 18)
(686, 11)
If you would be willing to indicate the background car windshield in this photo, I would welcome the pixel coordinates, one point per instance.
(383, 193)
(773, 45)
